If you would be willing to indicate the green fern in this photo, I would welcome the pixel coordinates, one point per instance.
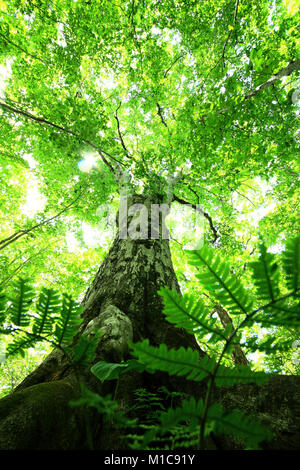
(186, 362)
(190, 314)
(279, 314)
(218, 420)
(265, 275)
(21, 300)
(52, 320)
(67, 322)
(48, 305)
(84, 352)
(216, 277)
(291, 264)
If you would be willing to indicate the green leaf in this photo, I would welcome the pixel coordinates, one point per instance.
(21, 342)
(67, 321)
(265, 275)
(237, 423)
(2, 308)
(108, 371)
(191, 314)
(186, 362)
(291, 264)
(21, 300)
(181, 362)
(219, 420)
(48, 305)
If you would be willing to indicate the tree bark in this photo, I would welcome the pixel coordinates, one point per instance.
(124, 303)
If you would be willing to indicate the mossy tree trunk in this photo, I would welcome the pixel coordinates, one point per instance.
(124, 303)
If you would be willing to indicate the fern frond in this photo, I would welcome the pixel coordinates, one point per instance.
(67, 321)
(48, 305)
(216, 278)
(279, 314)
(20, 343)
(187, 312)
(84, 352)
(186, 362)
(190, 413)
(265, 275)
(268, 345)
(237, 423)
(21, 300)
(228, 376)
(218, 420)
(181, 362)
(291, 264)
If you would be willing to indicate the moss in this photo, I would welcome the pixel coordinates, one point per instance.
(40, 417)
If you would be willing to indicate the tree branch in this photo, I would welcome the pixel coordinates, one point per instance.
(205, 214)
(119, 132)
(40, 120)
(8, 41)
(230, 32)
(159, 112)
(286, 71)
(21, 233)
(173, 63)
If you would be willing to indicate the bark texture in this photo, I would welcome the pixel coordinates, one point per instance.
(124, 303)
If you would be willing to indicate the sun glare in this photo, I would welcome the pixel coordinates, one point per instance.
(89, 161)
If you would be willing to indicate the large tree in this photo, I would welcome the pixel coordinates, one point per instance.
(180, 102)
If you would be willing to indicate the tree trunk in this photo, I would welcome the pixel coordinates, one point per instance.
(124, 303)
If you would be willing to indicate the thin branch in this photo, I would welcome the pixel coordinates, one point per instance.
(40, 120)
(119, 131)
(246, 197)
(21, 233)
(159, 112)
(173, 63)
(8, 41)
(285, 72)
(22, 265)
(205, 214)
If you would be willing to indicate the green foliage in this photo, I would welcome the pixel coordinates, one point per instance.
(2, 308)
(187, 363)
(291, 264)
(190, 314)
(68, 321)
(51, 318)
(107, 407)
(108, 371)
(217, 278)
(104, 405)
(218, 421)
(193, 315)
(266, 275)
(47, 307)
(21, 300)
(65, 68)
